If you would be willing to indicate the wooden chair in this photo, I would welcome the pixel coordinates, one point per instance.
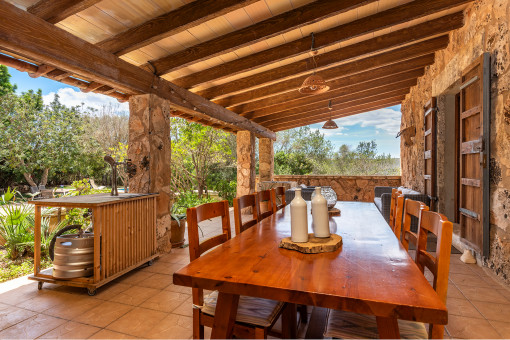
(278, 191)
(264, 204)
(240, 203)
(411, 209)
(347, 325)
(398, 216)
(393, 206)
(255, 316)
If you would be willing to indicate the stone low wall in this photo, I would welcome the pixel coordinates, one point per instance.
(347, 188)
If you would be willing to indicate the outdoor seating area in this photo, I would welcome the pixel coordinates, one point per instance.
(303, 238)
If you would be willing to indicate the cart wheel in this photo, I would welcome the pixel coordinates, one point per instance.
(91, 292)
(150, 263)
(39, 285)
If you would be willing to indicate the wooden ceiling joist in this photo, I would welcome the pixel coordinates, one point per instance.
(336, 94)
(353, 67)
(54, 11)
(171, 23)
(391, 40)
(348, 83)
(268, 28)
(335, 114)
(323, 110)
(394, 16)
(39, 40)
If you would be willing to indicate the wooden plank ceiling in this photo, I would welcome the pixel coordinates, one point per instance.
(251, 56)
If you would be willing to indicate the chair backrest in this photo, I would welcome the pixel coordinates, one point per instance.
(393, 206)
(264, 204)
(398, 216)
(278, 192)
(240, 203)
(196, 215)
(438, 263)
(412, 208)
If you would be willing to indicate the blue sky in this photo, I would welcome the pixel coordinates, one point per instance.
(380, 125)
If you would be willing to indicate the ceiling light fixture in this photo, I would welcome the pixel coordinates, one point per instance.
(313, 84)
(330, 124)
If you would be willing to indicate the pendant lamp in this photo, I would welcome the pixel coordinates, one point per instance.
(313, 84)
(330, 124)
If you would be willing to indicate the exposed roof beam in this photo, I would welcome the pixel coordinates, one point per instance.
(365, 107)
(386, 58)
(43, 42)
(324, 111)
(370, 107)
(268, 28)
(348, 83)
(335, 57)
(314, 104)
(391, 17)
(54, 11)
(171, 23)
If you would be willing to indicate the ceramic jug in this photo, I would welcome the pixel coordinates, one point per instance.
(320, 214)
(298, 218)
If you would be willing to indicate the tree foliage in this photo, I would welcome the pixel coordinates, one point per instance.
(5, 81)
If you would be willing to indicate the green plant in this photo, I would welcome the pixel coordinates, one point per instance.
(16, 228)
(9, 196)
(12, 269)
(189, 199)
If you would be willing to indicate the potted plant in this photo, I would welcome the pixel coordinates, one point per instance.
(178, 226)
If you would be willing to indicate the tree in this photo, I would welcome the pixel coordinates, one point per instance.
(5, 81)
(364, 160)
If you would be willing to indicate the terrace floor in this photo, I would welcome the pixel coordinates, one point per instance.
(145, 304)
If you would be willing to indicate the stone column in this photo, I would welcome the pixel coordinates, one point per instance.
(150, 154)
(266, 159)
(245, 162)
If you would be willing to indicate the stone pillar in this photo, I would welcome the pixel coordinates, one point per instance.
(266, 159)
(245, 162)
(150, 154)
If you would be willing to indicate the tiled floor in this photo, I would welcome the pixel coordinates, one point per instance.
(145, 304)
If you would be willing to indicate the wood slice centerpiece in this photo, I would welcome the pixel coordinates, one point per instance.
(314, 245)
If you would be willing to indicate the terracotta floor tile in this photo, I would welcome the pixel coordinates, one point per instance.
(31, 328)
(467, 280)
(462, 307)
(175, 258)
(186, 308)
(11, 315)
(503, 328)
(462, 268)
(71, 330)
(160, 267)
(110, 290)
(165, 301)
(104, 314)
(483, 294)
(470, 328)
(138, 322)
(70, 309)
(179, 289)
(18, 295)
(454, 292)
(493, 311)
(172, 326)
(107, 334)
(47, 299)
(135, 295)
(134, 277)
(156, 281)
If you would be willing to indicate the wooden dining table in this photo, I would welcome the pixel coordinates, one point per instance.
(371, 273)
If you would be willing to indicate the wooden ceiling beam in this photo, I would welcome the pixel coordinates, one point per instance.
(54, 11)
(351, 82)
(398, 55)
(337, 95)
(45, 43)
(373, 107)
(364, 107)
(379, 21)
(171, 23)
(299, 17)
(303, 67)
(323, 111)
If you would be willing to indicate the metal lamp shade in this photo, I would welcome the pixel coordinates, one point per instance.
(314, 84)
(330, 124)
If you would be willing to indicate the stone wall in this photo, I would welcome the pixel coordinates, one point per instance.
(245, 162)
(486, 29)
(347, 188)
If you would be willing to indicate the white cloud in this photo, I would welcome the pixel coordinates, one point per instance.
(72, 97)
(387, 120)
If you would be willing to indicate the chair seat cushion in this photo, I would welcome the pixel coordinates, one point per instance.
(378, 203)
(251, 310)
(348, 325)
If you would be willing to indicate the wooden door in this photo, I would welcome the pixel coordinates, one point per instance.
(430, 150)
(474, 154)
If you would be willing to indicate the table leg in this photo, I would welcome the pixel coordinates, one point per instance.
(388, 328)
(289, 321)
(225, 316)
(37, 240)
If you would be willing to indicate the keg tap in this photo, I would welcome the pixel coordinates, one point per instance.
(114, 164)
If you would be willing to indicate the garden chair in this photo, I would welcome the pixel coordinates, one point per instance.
(278, 193)
(244, 202)
(264, 204)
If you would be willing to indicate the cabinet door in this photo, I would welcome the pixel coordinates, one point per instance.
(474, 154)
(430, 150)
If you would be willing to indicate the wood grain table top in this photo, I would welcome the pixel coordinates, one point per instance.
(371, 273)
